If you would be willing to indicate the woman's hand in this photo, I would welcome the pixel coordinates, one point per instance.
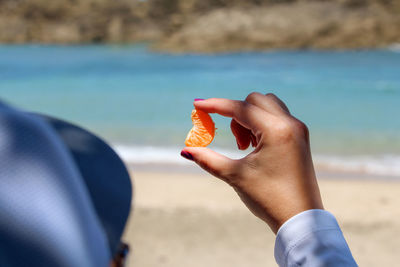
(277, 180)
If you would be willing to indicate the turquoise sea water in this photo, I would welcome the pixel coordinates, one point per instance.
(141, 100)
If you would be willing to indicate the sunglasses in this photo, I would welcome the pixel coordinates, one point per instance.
(121, 257)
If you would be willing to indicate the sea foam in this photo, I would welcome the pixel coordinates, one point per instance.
(380, 165)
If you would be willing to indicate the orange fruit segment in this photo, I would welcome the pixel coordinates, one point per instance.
(203, 130)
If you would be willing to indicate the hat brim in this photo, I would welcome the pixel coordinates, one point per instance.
(105, 176)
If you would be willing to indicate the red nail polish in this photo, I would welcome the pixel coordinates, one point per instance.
(186, 155)
(198, 99)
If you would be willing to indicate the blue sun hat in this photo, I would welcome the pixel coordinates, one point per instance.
(65, 195)
(104, 174)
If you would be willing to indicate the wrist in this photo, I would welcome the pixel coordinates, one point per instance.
(291, 213)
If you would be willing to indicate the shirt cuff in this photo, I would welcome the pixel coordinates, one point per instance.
(297, 228)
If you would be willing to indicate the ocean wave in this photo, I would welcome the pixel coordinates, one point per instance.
(382, 165)
(160, 155)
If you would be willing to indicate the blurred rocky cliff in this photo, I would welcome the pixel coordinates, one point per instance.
(205, 25)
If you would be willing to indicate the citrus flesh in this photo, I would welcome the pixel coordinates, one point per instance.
(203, 130)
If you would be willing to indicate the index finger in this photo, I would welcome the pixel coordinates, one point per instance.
(248, 115)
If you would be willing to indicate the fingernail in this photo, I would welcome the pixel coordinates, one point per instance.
(186, 155)
(198, 99)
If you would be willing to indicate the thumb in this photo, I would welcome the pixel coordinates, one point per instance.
(211, 161)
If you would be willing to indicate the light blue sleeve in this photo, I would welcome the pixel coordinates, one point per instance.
(312, 238)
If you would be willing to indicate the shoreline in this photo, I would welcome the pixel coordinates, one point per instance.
(192, 169)
(150, 45)
(384, 166)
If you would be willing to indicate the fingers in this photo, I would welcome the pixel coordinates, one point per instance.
(249, 116)
(211, 161)
(242, 135)
(269, 102)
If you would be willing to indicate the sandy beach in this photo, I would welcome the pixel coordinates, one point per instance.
(194, 219)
